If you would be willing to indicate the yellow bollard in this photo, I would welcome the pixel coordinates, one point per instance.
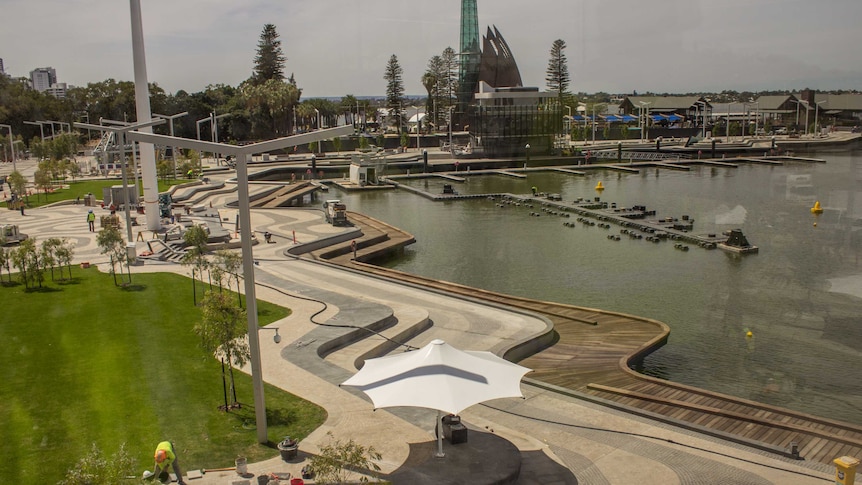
(845, 470)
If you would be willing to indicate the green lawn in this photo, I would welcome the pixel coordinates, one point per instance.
(81, 187)
(87, 362)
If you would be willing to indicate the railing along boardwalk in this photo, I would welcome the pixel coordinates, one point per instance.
(593, 354)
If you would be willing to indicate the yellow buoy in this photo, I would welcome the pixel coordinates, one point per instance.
(749, 334)
(816, 209)
(599, 186)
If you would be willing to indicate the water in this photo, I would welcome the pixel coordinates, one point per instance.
(806, 353)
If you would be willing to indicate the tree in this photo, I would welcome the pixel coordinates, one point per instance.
(26, 259)
(269, 61)
(557, 75)
(450, 67)
(42, 181)
(338, 458)
(394, 88)
(64, 251)
(336, 143)
(221, 330)
(225, 266)
(17, 183)
(112, 244)
(48, 253)
(195, 239)
(5, 259)
(95, 469)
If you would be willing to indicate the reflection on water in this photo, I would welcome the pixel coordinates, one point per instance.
(806, 349)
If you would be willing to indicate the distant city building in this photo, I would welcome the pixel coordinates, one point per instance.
(58, 90)
(42, 78)
(2, 70)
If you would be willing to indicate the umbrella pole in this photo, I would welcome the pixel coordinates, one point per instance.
(440, 453)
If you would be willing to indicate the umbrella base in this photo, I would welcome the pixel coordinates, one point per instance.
(486, 459)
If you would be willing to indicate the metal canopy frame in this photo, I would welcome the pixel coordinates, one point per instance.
(243, 155)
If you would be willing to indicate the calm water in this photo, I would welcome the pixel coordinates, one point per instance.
(806, 353)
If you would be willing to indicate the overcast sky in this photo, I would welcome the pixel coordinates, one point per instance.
(338, 47)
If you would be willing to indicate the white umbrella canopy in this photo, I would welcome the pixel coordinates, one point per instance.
(440, 377)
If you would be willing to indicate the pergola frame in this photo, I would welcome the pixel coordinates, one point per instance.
(243, 155)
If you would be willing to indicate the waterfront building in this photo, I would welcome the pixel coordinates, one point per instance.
(502, 116)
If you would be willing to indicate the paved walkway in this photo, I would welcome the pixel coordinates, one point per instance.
(561, 439)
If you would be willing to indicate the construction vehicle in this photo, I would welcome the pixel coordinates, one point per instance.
(335, 212)
(10, 235)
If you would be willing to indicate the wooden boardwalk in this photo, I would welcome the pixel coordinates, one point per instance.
(593, 354)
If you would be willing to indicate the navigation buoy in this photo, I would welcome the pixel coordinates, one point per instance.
(749, 334)
(600, 187)
(816, 209)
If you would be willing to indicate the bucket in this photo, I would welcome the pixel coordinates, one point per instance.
(288, 448)
(241, 465)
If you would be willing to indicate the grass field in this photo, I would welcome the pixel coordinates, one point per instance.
(86, 362)
(81, 187)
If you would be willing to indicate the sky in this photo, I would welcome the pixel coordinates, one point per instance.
(340, 47)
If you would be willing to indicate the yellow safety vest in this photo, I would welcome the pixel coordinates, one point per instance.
(169, 451)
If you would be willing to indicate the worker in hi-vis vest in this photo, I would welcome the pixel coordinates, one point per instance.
(164, 456)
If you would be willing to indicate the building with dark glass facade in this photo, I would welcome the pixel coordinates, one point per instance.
(501, 115)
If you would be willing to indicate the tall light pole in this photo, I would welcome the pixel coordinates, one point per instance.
(645, 107)
(807, 109)
(120, 131)
(816, 112)
(171, 119)
(12, 146)
(243, 155)
(41, 129)
(418, 124)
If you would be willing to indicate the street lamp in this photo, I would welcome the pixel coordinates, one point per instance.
(645, 113)
(816, 110)
(120, 131)
(171, 119)
(41, 129)
(243, 155)
(527, 150)
(12, 146)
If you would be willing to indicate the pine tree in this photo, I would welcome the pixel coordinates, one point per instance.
(557, 75)
(269, 61)
(394, 88)
(450, 66)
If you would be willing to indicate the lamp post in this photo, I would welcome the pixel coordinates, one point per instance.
(36, 123)
(527, 150)
(645, 126)
(594, 124)
(243, 155)
(797, 115)
(451, 149)
(703, 127)
(418, 129)
(11, 146)
(171, 119)
(120, 130)
(816, 113)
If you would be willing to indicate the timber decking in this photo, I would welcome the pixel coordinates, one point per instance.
(594, 353)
